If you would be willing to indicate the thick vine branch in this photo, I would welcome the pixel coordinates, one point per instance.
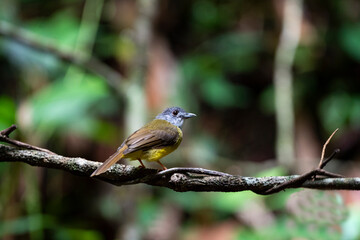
(178, 179)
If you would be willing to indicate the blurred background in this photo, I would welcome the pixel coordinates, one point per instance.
(269, 82)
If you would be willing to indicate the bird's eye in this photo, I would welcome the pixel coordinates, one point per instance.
(175, 112)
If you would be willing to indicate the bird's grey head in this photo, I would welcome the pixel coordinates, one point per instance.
(175, 116)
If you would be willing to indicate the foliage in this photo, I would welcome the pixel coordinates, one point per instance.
(216, 58)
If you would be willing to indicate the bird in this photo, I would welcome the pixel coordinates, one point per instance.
(153, 141)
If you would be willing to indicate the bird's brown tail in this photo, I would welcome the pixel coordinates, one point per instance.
(108, 163)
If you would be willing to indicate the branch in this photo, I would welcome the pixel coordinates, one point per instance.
(33, 41)
(178, 179)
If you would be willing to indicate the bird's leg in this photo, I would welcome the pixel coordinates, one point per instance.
(164, 168)
(141, 163)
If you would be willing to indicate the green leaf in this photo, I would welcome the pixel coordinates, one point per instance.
(335, 110)
(70, 105)
(7, 112)
(350, 227)
(232, 202)
(355, 112)
(305, 58)
(275, 171)
(72, 234)
(190, 201)
(148, 211)
(236, 52)
(205, 14)
(350, 38)
(267, 100)
(26, 224)
(220, 93)
(62, 28)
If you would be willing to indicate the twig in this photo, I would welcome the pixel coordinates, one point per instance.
(4, 137)
(6, 132)
(298, 181)
(319, 171)
(325, 162)
(324, 148)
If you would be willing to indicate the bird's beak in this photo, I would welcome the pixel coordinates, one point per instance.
(189, 115)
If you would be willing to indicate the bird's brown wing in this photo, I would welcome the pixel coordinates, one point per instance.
(145, 139)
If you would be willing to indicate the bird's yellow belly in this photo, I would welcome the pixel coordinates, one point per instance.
(151, 154)
(156, 154)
